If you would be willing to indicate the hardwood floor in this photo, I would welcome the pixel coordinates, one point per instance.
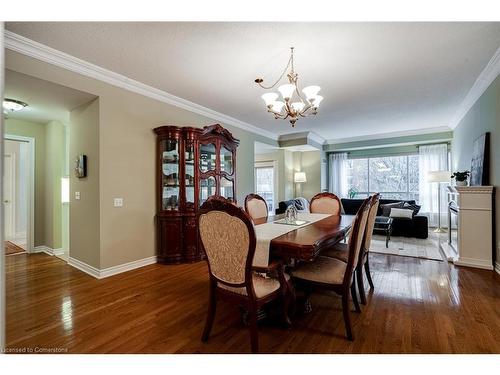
(418, 306)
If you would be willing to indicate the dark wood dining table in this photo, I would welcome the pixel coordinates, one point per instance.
(306, 243)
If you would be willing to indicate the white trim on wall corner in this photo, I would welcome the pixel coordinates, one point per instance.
(43, 249)
(59, 251)
(28, 47)
(487, 76)
(497, 267)
(110, 271)
(84, 267)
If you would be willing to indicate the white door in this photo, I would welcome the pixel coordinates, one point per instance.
(9, 194)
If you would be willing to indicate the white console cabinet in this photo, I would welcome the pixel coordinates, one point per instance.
(473, 206)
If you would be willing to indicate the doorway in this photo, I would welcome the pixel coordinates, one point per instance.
(18, 199)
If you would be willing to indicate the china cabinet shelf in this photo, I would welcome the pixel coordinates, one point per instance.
(203, 165)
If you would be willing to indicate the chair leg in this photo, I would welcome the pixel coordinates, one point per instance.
(361, 286)
(368, 273)
(355, 298)
(307, 299)
(212, 304)
(347, 316)
(289, 298)
(254, 334)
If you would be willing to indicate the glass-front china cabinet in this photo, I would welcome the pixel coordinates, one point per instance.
(193, 164)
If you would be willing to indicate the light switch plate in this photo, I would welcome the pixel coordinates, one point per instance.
(118, 202)
(77, 195)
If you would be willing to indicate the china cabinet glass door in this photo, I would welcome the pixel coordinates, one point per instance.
(170, 174)
(189, 174)
(208, 187)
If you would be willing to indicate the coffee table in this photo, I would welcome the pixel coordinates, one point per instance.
(384, 224)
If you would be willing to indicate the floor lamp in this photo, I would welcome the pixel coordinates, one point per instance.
(298, 178)
(439, 177)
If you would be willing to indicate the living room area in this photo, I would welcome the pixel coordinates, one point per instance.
(414, 175)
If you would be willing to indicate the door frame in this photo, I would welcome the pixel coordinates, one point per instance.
(13, 178)
(30, 232)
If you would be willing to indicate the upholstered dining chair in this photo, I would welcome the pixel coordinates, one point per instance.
(228, 238)
(325, 203)
(256, 206)
(336, 275)
(341, 250)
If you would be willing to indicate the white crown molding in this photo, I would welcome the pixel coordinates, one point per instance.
(28, 47)
(107, 272)
(405, 133)
(487, 76)
(316, 138)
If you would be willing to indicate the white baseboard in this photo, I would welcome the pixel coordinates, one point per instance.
(497, 267)
(43, 249)
(471, 262)
(92, 271)
(107, 272)
(59, 251)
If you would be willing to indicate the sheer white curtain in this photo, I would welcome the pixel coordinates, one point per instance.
(338, 174)
(432, 158)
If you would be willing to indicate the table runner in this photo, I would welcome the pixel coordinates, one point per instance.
(264, 234)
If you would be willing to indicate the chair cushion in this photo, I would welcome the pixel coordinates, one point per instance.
(322, 270)
(340, 251)
(263, 286)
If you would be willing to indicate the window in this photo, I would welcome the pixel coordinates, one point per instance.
(394, 177)
(265, 182)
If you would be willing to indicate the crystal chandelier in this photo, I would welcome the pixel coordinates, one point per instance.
(289, 108)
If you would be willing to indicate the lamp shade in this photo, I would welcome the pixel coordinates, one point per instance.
(438, 176)
(300, 177)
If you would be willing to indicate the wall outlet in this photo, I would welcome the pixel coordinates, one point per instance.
(77, 195)
(118, 202)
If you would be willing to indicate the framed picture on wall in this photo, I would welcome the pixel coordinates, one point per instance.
(81, 166)
(480, 165)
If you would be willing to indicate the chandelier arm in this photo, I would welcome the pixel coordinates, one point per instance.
(290, 60)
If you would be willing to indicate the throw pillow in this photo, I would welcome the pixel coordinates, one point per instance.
(298, 204)
(414, 207)
(386, 208)
(401, 213)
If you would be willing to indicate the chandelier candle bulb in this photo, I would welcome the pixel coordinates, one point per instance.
(270, 98)
(311, 92)
(286, 91)
(298, 106)
(277, 106)
(316, 100)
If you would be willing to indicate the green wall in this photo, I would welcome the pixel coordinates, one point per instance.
(484, 116)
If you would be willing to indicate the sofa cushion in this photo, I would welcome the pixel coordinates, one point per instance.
(401, 213)
(414, 207)
(386, 208)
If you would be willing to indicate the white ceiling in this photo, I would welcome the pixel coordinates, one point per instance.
(46, 101)
(377, 78)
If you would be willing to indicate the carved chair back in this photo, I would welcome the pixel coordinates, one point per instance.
(325, 203)
(228, 238)
(371, 222)
(256, 206)
(356, 238)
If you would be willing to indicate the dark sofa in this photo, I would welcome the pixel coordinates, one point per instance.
(417, 227)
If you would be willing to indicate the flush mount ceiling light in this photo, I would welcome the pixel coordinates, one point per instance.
(289, 108)
(12, 105)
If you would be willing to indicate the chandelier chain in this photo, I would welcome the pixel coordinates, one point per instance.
(290, 61)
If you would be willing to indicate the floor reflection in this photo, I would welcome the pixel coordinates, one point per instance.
(67, 313)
